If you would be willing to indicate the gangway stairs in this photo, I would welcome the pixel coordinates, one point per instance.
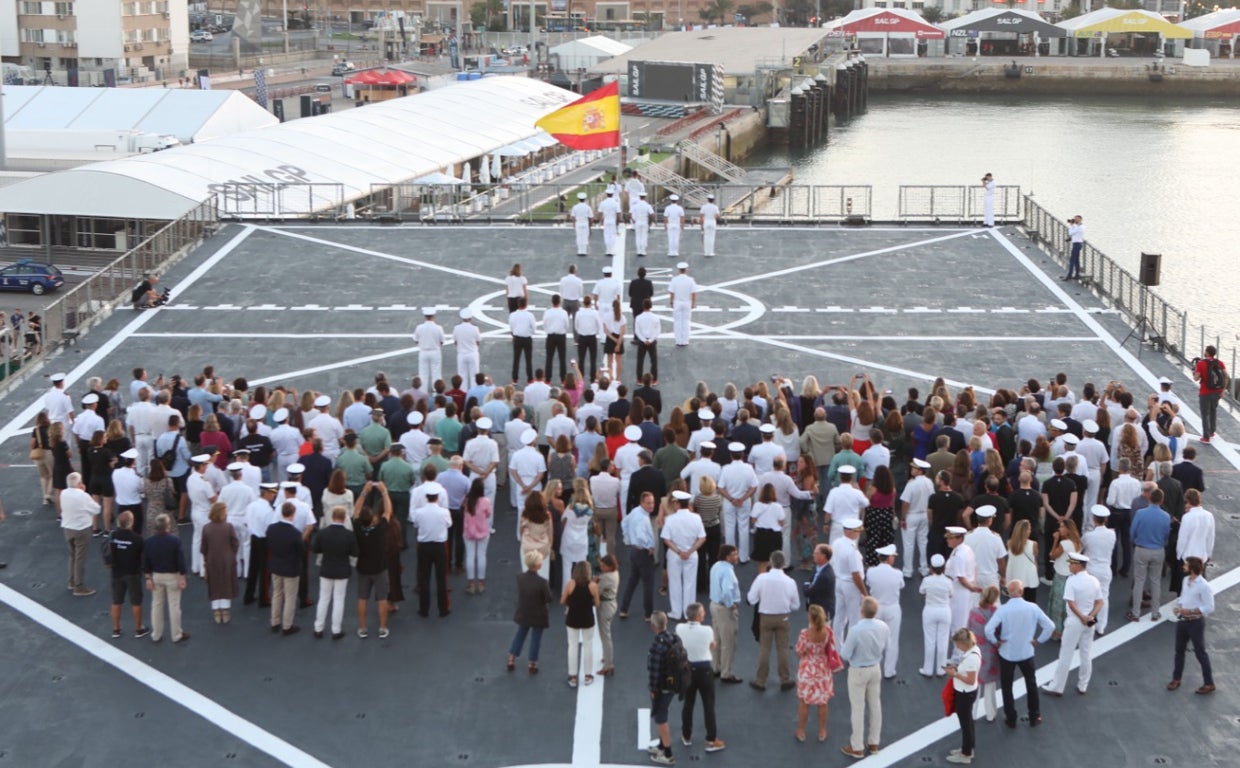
(695, 152)
(691, 193)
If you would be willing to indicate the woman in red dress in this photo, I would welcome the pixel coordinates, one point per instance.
(820, 660)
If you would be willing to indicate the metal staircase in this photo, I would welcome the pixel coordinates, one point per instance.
(691, 193)
(695, 152)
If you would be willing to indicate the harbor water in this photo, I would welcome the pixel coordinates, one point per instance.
(1147, 175)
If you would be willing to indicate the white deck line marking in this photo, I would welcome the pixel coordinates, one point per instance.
(588, 723)
(924, 737)
(209, 335)
(1226, 450)
(19, 424)
(830, 262)
(905, 337)
(161, 683)
(643, 728)
(560, 227)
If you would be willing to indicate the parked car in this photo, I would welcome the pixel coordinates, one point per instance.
(200, 36)
(340, 68)
(34, 276)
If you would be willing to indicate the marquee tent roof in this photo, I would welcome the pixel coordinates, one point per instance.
(190, 115)
(1109, 20)
(889, 20)
(381, 77)
(1218, 24)
(1003, 20)
(345, 152)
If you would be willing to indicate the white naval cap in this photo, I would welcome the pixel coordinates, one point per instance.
(1090, 426)
(90, 399)
(985, 511)
(851, 524)
(606, 270)
(683, 265)
(705, 414)
(235, 466)
(288, 485)
(581, 195)
(1163, 380)
(1071, 439)
(258, 412)
(281, 415)
(767, 429)
(296, 468)
(484, 423)
(1059, 424)
(936, 561)
(955, 530)
(432, 489)
(710, 196)
(707, 444)
(428, 311)
(921, 464)
(528, 437)
(1101, 511)
(847, 469)
(201, 458)
(56, 378)
(736, 447)
(886, 551)
(1078, 557)
(268, 486)
(681, 496)
(467, 313)
(132, 453)
(610, 191)
(322, 401)
(414, 418)
(632, 433)
(673, 198)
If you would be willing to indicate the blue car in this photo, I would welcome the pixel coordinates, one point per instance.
(33, 276)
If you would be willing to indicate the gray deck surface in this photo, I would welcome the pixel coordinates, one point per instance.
(904, 304)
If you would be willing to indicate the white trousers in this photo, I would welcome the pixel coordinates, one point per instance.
(736, 527)
(673, 241)
(681, 583)
(610, 235)
(1104, 581)
(146, 449)
(467, 366)
(587, 650)
(916, 535)
(582, 230)
(476, 558)
(962, 602)
(787, 540)
(1094, 477)
(708, 238)
(197, 565)
(936, 632)
(847, 607)
(682, 311)
(331, 593)
(641, 235)
(1075, 635)
(892, 616)
(430, 366)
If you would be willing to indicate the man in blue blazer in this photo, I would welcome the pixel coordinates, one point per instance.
(820, 590)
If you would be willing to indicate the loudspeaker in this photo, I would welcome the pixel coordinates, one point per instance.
(1151, 268)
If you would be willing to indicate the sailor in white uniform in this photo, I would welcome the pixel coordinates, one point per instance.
(683, 292)
(581, 215)
(640, 213)
(429, 338)
(673, 222)
(468, 340)
(609, 215)
(885, 582)
(709, 219)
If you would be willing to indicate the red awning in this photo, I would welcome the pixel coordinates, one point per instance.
(1223, 30)
(886, 21)
(381, 77)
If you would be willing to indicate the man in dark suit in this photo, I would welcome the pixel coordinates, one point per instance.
(820, 590)
(649, 395)
(744, 432)
(647, 479)
(1188, 473)
(318, 470)
(640, 289)
(620, 408)
(1173, 503)
(1005, 436)
(285, 551)
(652, 434)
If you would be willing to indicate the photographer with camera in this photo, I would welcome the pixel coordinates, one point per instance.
(1082, 594)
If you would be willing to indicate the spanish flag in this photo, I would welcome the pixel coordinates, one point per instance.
(591, 122)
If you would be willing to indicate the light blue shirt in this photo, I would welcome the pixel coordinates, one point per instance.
(1150, 528)
(1019, 620)
(203, 399)
(497, 411)
(163, 444)
(865, 643)
(586, 442)
(725, 589)
(637, 530)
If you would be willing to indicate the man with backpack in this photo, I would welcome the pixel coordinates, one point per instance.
(1210, 373)
(667, 667)
(172, 449)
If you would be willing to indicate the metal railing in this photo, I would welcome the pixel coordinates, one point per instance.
(1157, 321)
(712, 162)
(92, 300)
(961, 204)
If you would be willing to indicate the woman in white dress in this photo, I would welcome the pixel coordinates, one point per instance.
(578, 517)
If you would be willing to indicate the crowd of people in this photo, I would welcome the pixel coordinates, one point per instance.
(1041, 495)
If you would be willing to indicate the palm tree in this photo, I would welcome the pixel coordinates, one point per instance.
(717, 9)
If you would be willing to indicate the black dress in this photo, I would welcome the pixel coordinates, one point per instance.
(879, 521)
(100, 459)
(61, 465)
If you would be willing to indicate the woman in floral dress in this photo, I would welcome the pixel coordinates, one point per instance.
(819, 661)
(988, 675)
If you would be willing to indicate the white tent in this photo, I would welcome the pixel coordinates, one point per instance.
(311, 164)
(588, 51)
(190, 115)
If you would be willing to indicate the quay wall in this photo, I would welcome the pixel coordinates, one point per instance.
(1053, 76)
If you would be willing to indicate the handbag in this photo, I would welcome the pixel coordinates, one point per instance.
(834, 662)
(36, 451)
(949, 698)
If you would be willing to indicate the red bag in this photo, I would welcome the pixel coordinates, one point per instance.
(949, 698)
(834, 662)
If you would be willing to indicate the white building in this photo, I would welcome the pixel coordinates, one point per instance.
(586, 52)
(97, 42)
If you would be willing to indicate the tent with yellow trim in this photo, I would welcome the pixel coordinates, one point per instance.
(1127, 30)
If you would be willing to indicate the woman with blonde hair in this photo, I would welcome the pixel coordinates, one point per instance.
(1023, 559)
(708, 505)
(964, 675)
(537, 532)
(811, 394)
(346, 399)
(219, 548)
(819, 660)
(787, 436)
(728, 402)
(577, 518)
